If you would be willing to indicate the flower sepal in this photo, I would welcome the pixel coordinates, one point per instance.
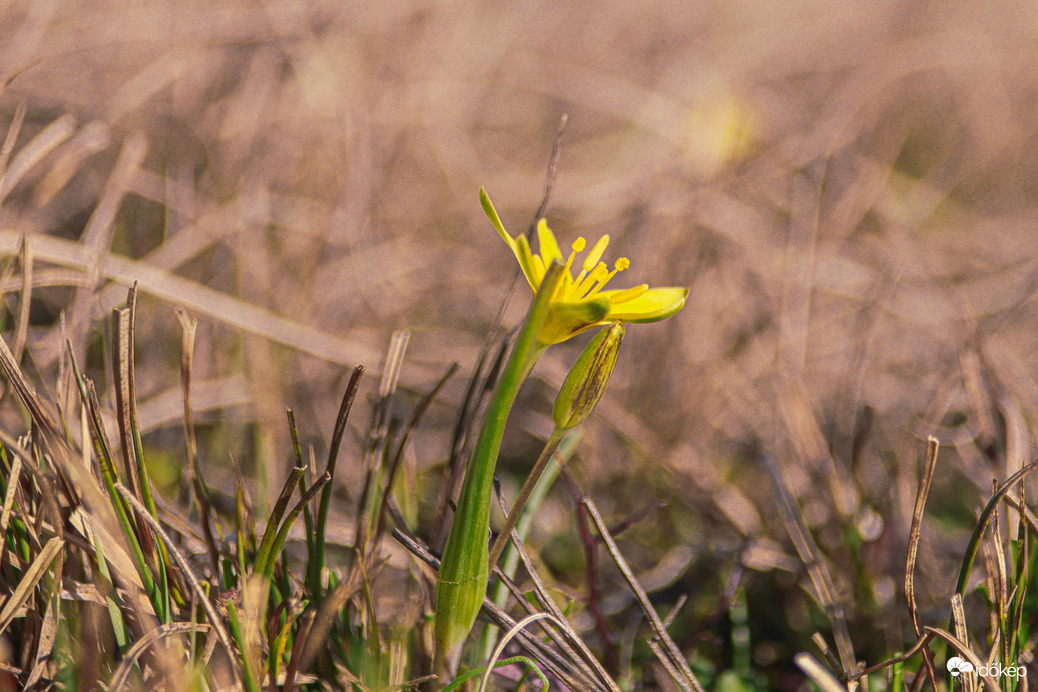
(568, 319)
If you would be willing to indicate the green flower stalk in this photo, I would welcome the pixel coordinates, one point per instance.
(462, 580)
(563, 306)
(580, 393)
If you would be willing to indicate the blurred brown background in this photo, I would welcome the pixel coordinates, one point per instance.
(848, 189)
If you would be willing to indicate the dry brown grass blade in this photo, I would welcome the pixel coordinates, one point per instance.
(21, 329)
(378, 437)
(122, 371)
(962, 634)
(1001, 586)
(28, 582)
(963, 650)
(185, 570)
(13, 479)
(818, 673)
(823, 647)
(9, 140)
(324, 620)
(31, 154)
(194, 472)
(825, 592)
(929, 465)
(566, 655)
(1027, 515)
(197, 298)
(923, 641)
(687, 679)
(594, 669)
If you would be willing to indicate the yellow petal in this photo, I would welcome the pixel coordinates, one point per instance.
(526, 261)
(652, 305)
(495, 220)
(546, 243)
(628, 295)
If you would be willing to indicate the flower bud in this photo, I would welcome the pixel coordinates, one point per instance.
(588, 377)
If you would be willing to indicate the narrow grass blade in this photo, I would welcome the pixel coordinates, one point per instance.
(297, 456)
(580, 658)
(274, 520)
(379, 435)
(963, 650)
(201, 492)
(9, 140)
(251, 682)
(13, 479)
(21, 330)
(317, 563)
(913, 550)
(824, 590)
(28, 582)
(978, 531)
(109, 477)
(282, 534)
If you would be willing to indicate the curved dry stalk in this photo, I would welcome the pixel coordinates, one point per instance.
(185, 568)
(122, 673)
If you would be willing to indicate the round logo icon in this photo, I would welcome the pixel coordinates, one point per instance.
(956, 666)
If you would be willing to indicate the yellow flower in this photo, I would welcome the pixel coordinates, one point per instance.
(581, 302)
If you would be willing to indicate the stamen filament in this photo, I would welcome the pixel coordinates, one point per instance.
(588, 287)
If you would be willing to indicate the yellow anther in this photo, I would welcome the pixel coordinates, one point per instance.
(596, 253)
(621, 264)
(578, 246)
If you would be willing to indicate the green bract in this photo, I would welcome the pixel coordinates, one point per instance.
(587, 379)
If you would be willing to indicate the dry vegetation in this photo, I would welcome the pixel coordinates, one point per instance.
(849, 190)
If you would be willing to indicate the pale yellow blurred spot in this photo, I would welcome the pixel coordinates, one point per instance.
(721, 130)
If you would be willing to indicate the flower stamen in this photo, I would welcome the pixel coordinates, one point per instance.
(592, 282)
(621, 264)
(578, 246)
(596, 253)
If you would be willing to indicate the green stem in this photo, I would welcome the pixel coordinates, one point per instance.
(462, 580)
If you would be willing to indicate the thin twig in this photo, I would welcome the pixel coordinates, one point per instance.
(550, 658)
(688, 678)
(596, 670)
